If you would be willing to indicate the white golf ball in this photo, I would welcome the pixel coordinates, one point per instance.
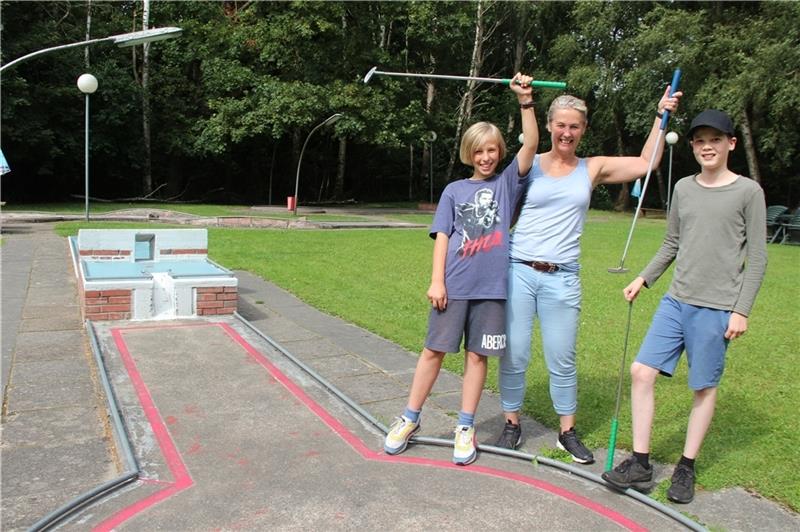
(672, 137)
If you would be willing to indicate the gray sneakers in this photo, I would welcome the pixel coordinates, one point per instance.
(568, 441)
(630, 474)
(511, 436)
(682, 488)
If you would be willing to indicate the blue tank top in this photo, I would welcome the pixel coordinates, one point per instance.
(551, 222)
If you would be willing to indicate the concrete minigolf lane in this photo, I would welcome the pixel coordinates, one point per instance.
(230, 435)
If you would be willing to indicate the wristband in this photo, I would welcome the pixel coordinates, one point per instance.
(660, 115)
(527, 105)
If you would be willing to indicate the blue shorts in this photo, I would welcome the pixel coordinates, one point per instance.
(700, 330)
(481, 323)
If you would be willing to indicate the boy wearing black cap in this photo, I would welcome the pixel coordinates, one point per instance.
(716, 235)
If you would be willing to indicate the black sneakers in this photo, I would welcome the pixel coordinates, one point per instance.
(568, 441)
(682, 488)
(511, 436)
(630, 474)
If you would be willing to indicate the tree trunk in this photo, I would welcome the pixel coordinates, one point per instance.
(88, 33)
(749, 146)
(427, 152)
(147, 177)
(624, 196)
(272, 171)
(410, 166)
(338, 187)
(662, 198)
(465, 108)
(519, 53)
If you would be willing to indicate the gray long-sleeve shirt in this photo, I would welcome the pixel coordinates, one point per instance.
(717, 238)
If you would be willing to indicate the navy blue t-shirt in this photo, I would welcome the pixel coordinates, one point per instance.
(476, 215)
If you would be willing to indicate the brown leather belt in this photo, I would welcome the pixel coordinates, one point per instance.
(539, 266)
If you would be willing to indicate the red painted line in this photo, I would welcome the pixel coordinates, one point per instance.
(370, 454)
(183, 480)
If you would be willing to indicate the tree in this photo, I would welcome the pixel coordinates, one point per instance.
(232, 100)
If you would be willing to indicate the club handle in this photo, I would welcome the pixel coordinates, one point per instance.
(673, 87)
(539, 84)
(612, 444)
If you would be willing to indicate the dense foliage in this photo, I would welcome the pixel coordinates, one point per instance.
(234, 99)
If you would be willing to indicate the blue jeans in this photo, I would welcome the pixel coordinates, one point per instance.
(556, 299)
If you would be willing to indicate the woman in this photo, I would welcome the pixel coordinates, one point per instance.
(543, 278)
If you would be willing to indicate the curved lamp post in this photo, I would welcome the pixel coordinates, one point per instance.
(328, 121)
(87, 85)
(122, 40)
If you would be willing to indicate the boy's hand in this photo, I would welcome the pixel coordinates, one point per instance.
(437, 295)
(521, 85)
(737, 325)
(669, 103)
(632, 290)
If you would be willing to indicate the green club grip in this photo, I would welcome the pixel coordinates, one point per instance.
(612, 444)
(539, 84)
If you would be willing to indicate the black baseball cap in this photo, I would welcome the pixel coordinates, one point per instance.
(713, 118)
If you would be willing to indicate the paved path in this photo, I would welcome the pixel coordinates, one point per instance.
(231, 435)
(243, 439)
(55, 445)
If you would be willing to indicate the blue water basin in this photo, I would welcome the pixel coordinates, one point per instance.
(96, 270)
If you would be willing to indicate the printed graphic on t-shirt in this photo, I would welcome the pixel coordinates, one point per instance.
(478, 221)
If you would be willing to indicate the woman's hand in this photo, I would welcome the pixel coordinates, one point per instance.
(669, 103)
(521, 85)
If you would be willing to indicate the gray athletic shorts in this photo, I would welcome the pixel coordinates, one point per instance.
(480, 322)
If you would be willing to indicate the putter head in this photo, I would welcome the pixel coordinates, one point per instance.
(619, 269)
(370, 74)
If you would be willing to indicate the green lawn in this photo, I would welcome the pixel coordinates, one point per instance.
(378, 278)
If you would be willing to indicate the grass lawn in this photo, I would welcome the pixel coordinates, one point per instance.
(378, 278)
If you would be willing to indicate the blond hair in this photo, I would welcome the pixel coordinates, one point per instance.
(566, 101)
(476, 136)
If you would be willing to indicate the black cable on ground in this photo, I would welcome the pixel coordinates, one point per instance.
(57, 516)
(652, 503)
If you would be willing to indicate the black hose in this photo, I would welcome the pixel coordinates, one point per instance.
(661, 508)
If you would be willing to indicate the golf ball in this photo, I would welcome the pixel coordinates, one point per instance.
(672, 137)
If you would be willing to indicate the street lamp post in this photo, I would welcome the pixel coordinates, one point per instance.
(87, 85)
(671, 139)
(122, 40)
(328, 121)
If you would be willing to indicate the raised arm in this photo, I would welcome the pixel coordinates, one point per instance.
(530, 129)
(610, 170)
